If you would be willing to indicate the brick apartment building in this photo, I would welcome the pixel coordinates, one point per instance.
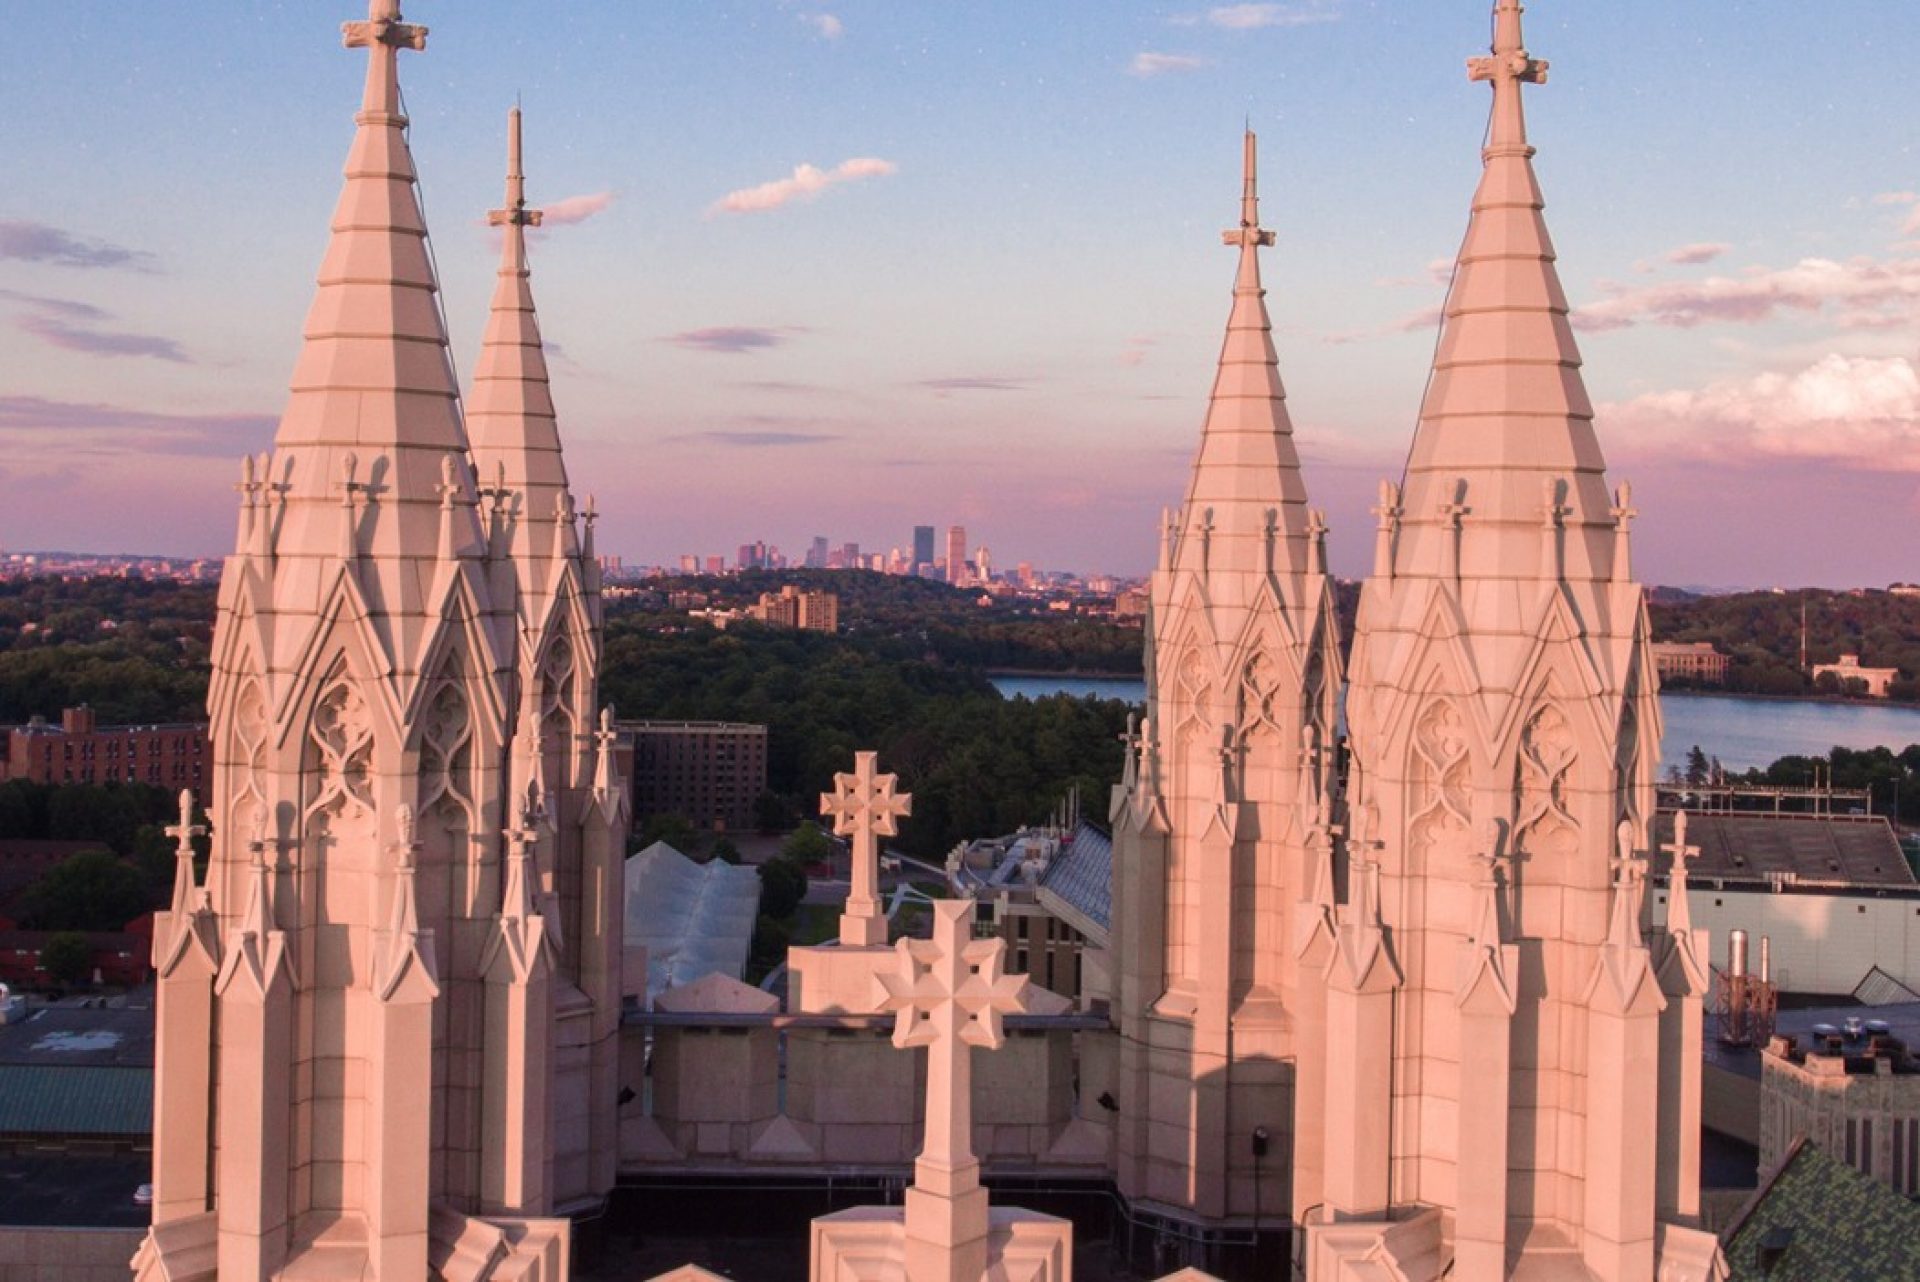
(79, 750)
(709, 772)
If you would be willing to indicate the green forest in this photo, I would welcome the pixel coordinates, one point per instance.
(1761, 633)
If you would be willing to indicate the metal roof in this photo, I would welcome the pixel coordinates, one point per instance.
(78, 1099)
(693, 919)
(1810, 848)
(1078, 884)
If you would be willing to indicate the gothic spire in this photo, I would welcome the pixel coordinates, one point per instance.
(1246, 489)
(374, 374)
(1506, 414)
(511, 412)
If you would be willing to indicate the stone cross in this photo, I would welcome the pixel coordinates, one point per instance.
(1508, 67)
(1387, 510)
(383, 28)
(1134, 741)
(950, 994)
(1679, 849)
(186, 830)
(865, 807)
(183, 834)
(1451, 513)
(1623, 513)
(516, 213)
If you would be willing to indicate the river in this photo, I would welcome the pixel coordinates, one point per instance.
(1743, 732)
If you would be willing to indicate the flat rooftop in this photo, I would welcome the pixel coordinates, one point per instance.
(1902, 1019)
(55, 1190)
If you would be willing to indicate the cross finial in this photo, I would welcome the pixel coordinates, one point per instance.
(865, 807)
(382, 35)
(1678, 848)
(516, 213)
(1628, 865)
(1134, 741)
(186, 830)
(1623, 513)
(1508, 66)
(1248, 234)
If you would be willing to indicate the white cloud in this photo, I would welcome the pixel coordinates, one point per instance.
(805, 183)
(1864, 292)
(574, 209)
(825, 25)
(1701, 252)
(1854, 410)
(1248, 17)
(1156, 64)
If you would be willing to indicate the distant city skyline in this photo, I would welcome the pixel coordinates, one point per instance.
(849, 301)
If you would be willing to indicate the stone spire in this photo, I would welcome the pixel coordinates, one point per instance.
(1502, 706)
(1245, 514)
(1506, 414)
(1214, 839)
(516, 442)
(374, 408)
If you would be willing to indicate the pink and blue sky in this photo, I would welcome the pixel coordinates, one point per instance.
(843, 268)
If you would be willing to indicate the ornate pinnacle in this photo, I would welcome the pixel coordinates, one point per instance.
(1248, 234)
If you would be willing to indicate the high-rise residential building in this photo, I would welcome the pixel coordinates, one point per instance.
(716, 565)
(793, 607)
(689, 563)
(1024, 572)
(922, 547)
(957, 555)
(707, 772)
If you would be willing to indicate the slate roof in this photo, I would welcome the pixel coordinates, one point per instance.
(1814, 848)
(1844, 1226)
(1080, 879)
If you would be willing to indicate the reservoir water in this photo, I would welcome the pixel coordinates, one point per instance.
(1742, 732)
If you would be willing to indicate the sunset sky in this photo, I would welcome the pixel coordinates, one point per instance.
(844, 268)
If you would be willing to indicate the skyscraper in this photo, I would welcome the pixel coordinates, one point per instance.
(957, 555)
(922, 547)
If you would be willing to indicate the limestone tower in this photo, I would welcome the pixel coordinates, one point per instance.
(1496, 1024)
(1223, 816)
(395, 960)
(543, 570)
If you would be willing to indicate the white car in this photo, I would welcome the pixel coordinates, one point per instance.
(143, 1196)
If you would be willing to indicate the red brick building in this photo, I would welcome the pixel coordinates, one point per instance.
(79, 750)
(710, 772)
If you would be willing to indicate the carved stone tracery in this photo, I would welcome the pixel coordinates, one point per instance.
(1543, 825)
(1442, 804)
